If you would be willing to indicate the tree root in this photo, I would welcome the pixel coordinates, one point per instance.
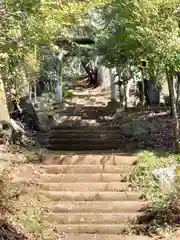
(13, 132)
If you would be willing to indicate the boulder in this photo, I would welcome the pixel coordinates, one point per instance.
(136, 128)
(167, 177)
(26, 113)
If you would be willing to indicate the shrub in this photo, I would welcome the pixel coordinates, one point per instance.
(68, 94)
(163, 207)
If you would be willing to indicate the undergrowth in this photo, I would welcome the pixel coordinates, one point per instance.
(163, 208)
(22, 211)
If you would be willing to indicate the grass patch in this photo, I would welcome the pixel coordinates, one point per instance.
(163, 207)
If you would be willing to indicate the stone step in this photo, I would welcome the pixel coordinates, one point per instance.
(84, 130)
(96, 177)
(98, 207)
(96, 218)
(55, 169)
(82, 135)
(92, 196)
(86, 186)
(83, 141)
(75, 112)
(84, 147)
(90, 159)
(80, 107)
(98, 228)
(74, 121)
(103, 237)
(90, 94)
(69, 118)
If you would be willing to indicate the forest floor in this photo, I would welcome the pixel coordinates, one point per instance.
(152, 129)
(22, 208)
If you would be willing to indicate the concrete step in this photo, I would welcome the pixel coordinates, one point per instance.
(103, 237)
(84, 130)
(96, 218)
(86, 186)
(84, 120)
(98, 228)
(90, 94)
(84, 146)
(97, 177)
(91, 159)
(85, 141)
(85, 169)
(85, 133)
(84, 111)
(92, 196)
(73, 113)
(98, 207)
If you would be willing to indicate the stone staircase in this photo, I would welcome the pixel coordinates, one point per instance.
(91, 197)
(84, 128)
(70, 138)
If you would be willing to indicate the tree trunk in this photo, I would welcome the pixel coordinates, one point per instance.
(178, 90)
(4, 113)
(113, 88)
(172, 95)
(10, 130)
(92, 74)
(125, 96)
(173, 105)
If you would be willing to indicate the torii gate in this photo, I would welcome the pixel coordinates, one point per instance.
(62, 43)
(66, 43)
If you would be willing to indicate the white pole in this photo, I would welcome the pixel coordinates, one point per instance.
(35, 93)
(59, 90)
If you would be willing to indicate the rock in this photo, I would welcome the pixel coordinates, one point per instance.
(112, 106)
(29, 114)
(136, 128)
(25, 112)
(166, 177)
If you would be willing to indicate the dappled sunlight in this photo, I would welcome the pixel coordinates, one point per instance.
(90, 131)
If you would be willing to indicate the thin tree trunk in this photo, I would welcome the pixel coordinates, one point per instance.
(172, 95)
(143, 94)
(178, 89)
(92, 73)
(4, 113)
(174, 112)
(125, 96)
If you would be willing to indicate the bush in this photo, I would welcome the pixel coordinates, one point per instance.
(67, 94)
(163, 207)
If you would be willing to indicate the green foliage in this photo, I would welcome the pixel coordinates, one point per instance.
(67, 95)
(35, 222)
(136, 30)
(26, 25)
(72, 69)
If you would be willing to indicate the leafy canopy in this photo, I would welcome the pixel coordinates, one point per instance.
(138, 30)
(27, 24)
